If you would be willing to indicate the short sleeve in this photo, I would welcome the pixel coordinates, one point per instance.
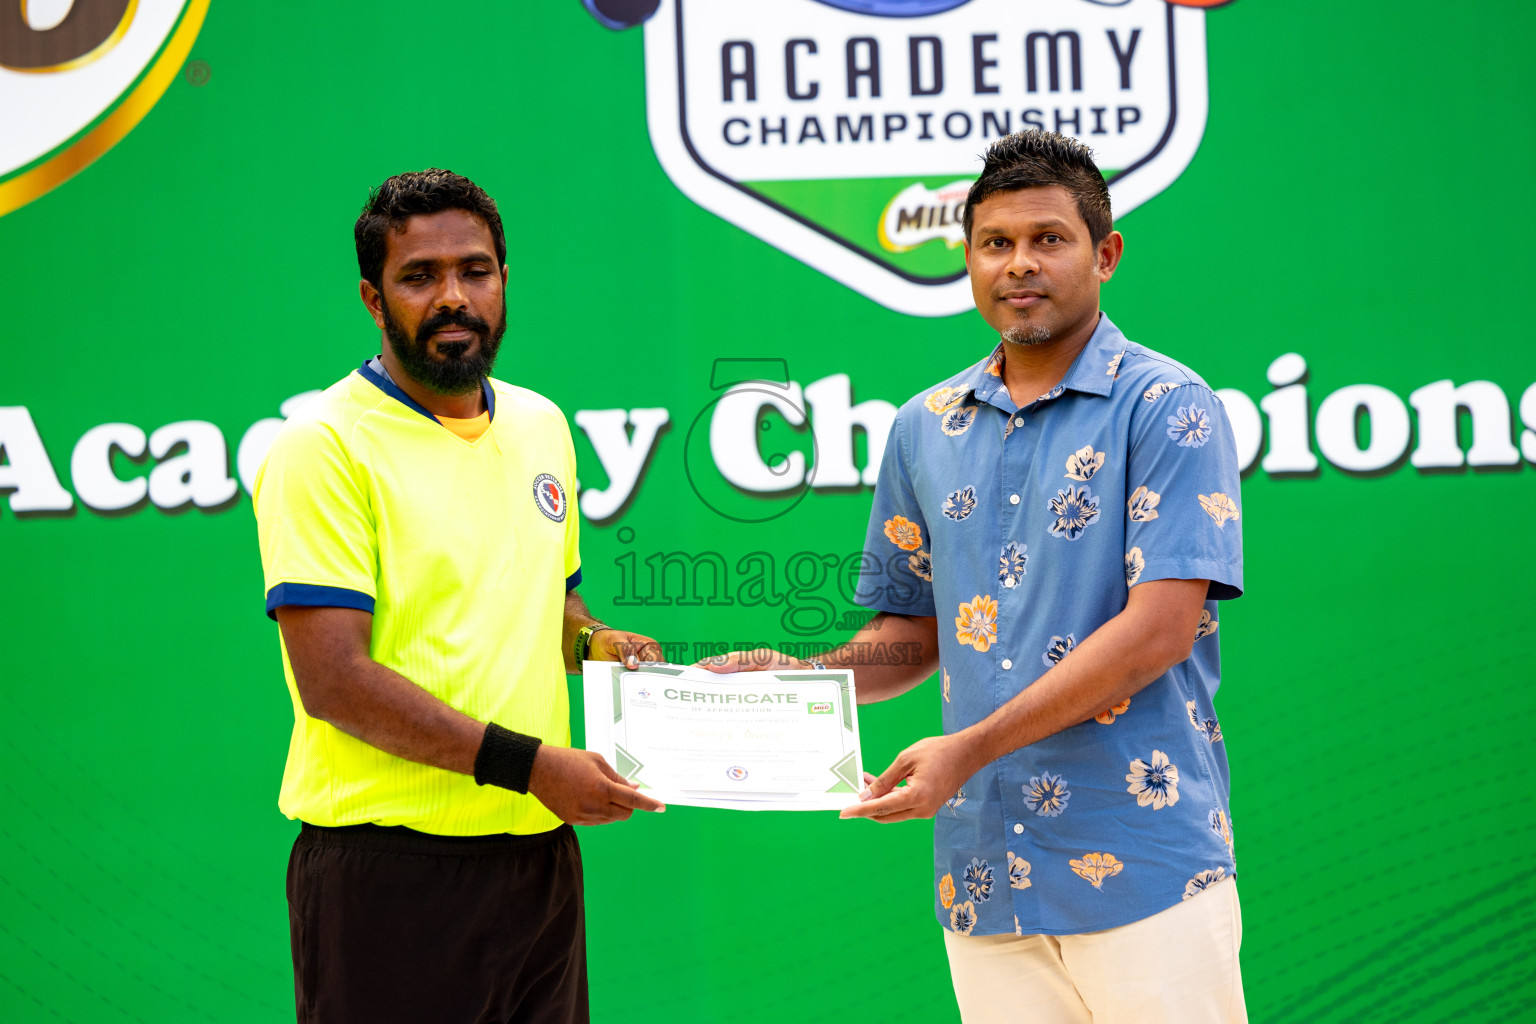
(896, 571)
(319, 545)
(1184, 514)
(572, 518)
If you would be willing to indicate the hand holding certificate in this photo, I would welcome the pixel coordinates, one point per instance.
(759, 741)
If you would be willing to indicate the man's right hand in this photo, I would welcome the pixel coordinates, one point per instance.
(581, 788)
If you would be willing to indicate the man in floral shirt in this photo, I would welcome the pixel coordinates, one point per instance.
(1070, 504)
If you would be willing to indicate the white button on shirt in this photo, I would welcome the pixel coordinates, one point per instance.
(1013, 499)
(1007, 664)
(1018, 830)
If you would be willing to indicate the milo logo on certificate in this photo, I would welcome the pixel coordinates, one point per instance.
(820, 707)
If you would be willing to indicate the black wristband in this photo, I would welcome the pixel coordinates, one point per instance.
(505, 758)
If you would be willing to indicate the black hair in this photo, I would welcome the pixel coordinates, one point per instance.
(1038, 159)
(413, 194)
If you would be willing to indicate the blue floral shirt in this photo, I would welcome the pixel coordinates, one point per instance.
(1025, 528)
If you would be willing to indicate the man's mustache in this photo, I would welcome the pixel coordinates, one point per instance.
(458, 318)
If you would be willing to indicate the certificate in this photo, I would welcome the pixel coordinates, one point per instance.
(785, 741)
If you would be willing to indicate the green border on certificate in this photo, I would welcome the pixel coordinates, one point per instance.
(728, 702)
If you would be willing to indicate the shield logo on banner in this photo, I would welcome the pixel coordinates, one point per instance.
(78, 75)
(846, 132)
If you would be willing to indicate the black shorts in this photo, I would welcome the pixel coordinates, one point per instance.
(391, 925)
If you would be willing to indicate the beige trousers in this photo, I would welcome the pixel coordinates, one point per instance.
(1175, 967)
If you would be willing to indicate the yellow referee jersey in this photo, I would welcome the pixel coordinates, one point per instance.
(462, 550)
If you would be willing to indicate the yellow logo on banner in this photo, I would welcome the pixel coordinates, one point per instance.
(78, 75)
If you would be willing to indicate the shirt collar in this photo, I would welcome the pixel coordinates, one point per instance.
(374, 373)
(1092, 373)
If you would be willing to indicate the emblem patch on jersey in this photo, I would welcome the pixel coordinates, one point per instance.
(549, 496)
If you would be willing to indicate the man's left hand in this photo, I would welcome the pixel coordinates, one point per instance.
(934, 768)
(630, 648)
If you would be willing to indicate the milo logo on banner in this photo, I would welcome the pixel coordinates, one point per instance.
(846, 132)
(78, 75)
(819, 707)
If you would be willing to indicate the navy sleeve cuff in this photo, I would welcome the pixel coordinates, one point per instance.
(573, 581)
(309, 595)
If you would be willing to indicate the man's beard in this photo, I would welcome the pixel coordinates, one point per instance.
(1027, 334)
(459, 372)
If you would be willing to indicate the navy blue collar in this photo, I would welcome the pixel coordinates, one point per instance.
(390, 388)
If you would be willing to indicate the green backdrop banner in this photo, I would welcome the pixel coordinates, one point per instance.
(732, 247)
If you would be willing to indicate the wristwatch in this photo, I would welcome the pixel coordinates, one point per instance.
(584, 641)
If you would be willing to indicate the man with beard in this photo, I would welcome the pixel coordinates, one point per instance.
(419, 545)
(1069, 503)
